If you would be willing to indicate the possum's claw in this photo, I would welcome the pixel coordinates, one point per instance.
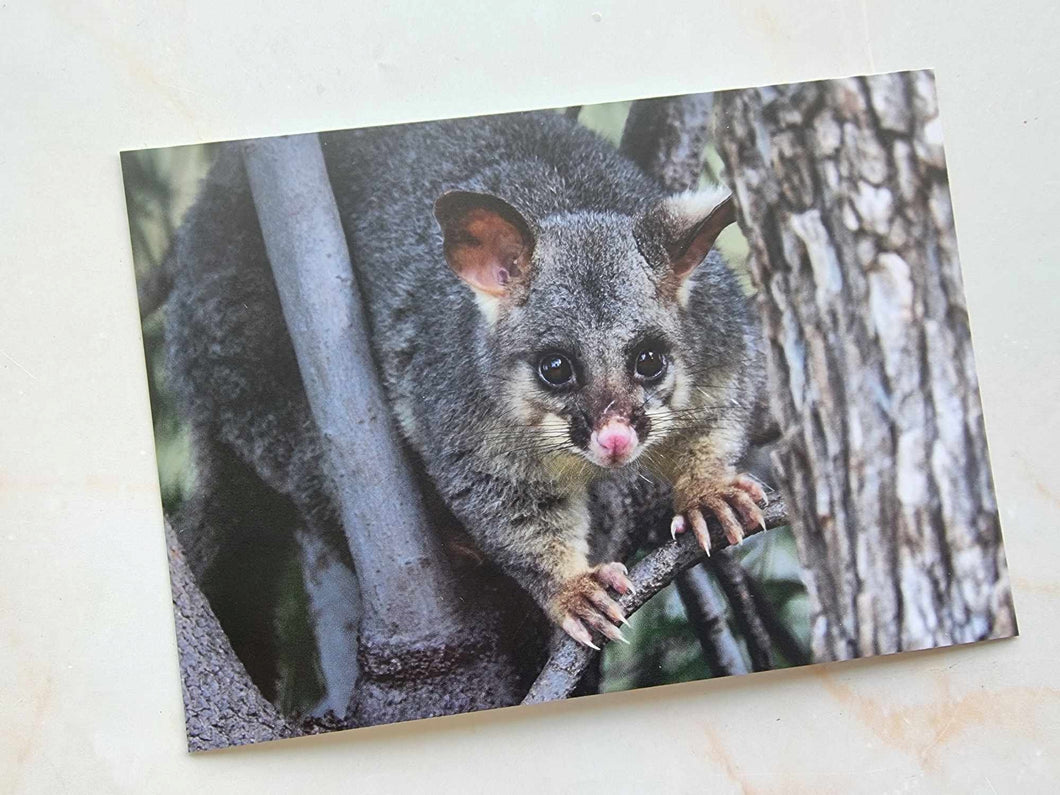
(583, 604)
(576, 629)
(614, 576)
(699, 527)
(733, 502)
(678, 525)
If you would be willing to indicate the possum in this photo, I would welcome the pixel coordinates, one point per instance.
(542, 315)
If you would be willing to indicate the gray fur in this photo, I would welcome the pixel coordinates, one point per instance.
(598, 267)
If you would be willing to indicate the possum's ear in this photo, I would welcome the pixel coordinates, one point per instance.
(682, 229)
(487, 242)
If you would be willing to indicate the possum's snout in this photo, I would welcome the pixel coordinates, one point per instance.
(613, 444)
(610, 437)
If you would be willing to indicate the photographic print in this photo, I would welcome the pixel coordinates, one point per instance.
(471, 413)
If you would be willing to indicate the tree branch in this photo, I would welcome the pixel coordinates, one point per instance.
(666, 137)
(733, 581)
(423, 648)
(399, 567)
(654, 572)
(779, 632)
(706, 614)
(221, 704)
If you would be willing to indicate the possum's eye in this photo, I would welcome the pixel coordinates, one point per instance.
(555, 370)
(649, 365)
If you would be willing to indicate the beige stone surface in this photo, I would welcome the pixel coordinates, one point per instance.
(89, 695)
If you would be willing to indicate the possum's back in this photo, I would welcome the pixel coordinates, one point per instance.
(388, 178)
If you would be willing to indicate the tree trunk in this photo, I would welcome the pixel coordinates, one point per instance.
(843, 195)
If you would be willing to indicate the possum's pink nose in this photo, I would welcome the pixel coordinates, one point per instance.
(616, 440)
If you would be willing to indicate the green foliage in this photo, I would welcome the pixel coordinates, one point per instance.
(176, 473)
(160, 185)
(608, 119)
(301, 681)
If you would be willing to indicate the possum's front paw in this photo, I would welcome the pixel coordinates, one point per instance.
(732, 500)
(583, 603)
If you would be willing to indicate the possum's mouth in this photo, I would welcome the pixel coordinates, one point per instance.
(611, 464)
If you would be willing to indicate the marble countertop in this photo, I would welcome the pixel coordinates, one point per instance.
(90, 699)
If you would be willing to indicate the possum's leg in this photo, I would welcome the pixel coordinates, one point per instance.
(540, 539)
(582, 603)
(706, 481)
(733, 499)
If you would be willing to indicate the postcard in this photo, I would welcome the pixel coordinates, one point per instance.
(479, 412)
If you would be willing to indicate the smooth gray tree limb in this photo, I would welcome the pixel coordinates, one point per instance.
(399, 567)
(421, 651)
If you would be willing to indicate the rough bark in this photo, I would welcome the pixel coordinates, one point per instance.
(423, 649)
(843, 195)
(221, 704)
(651, 574)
